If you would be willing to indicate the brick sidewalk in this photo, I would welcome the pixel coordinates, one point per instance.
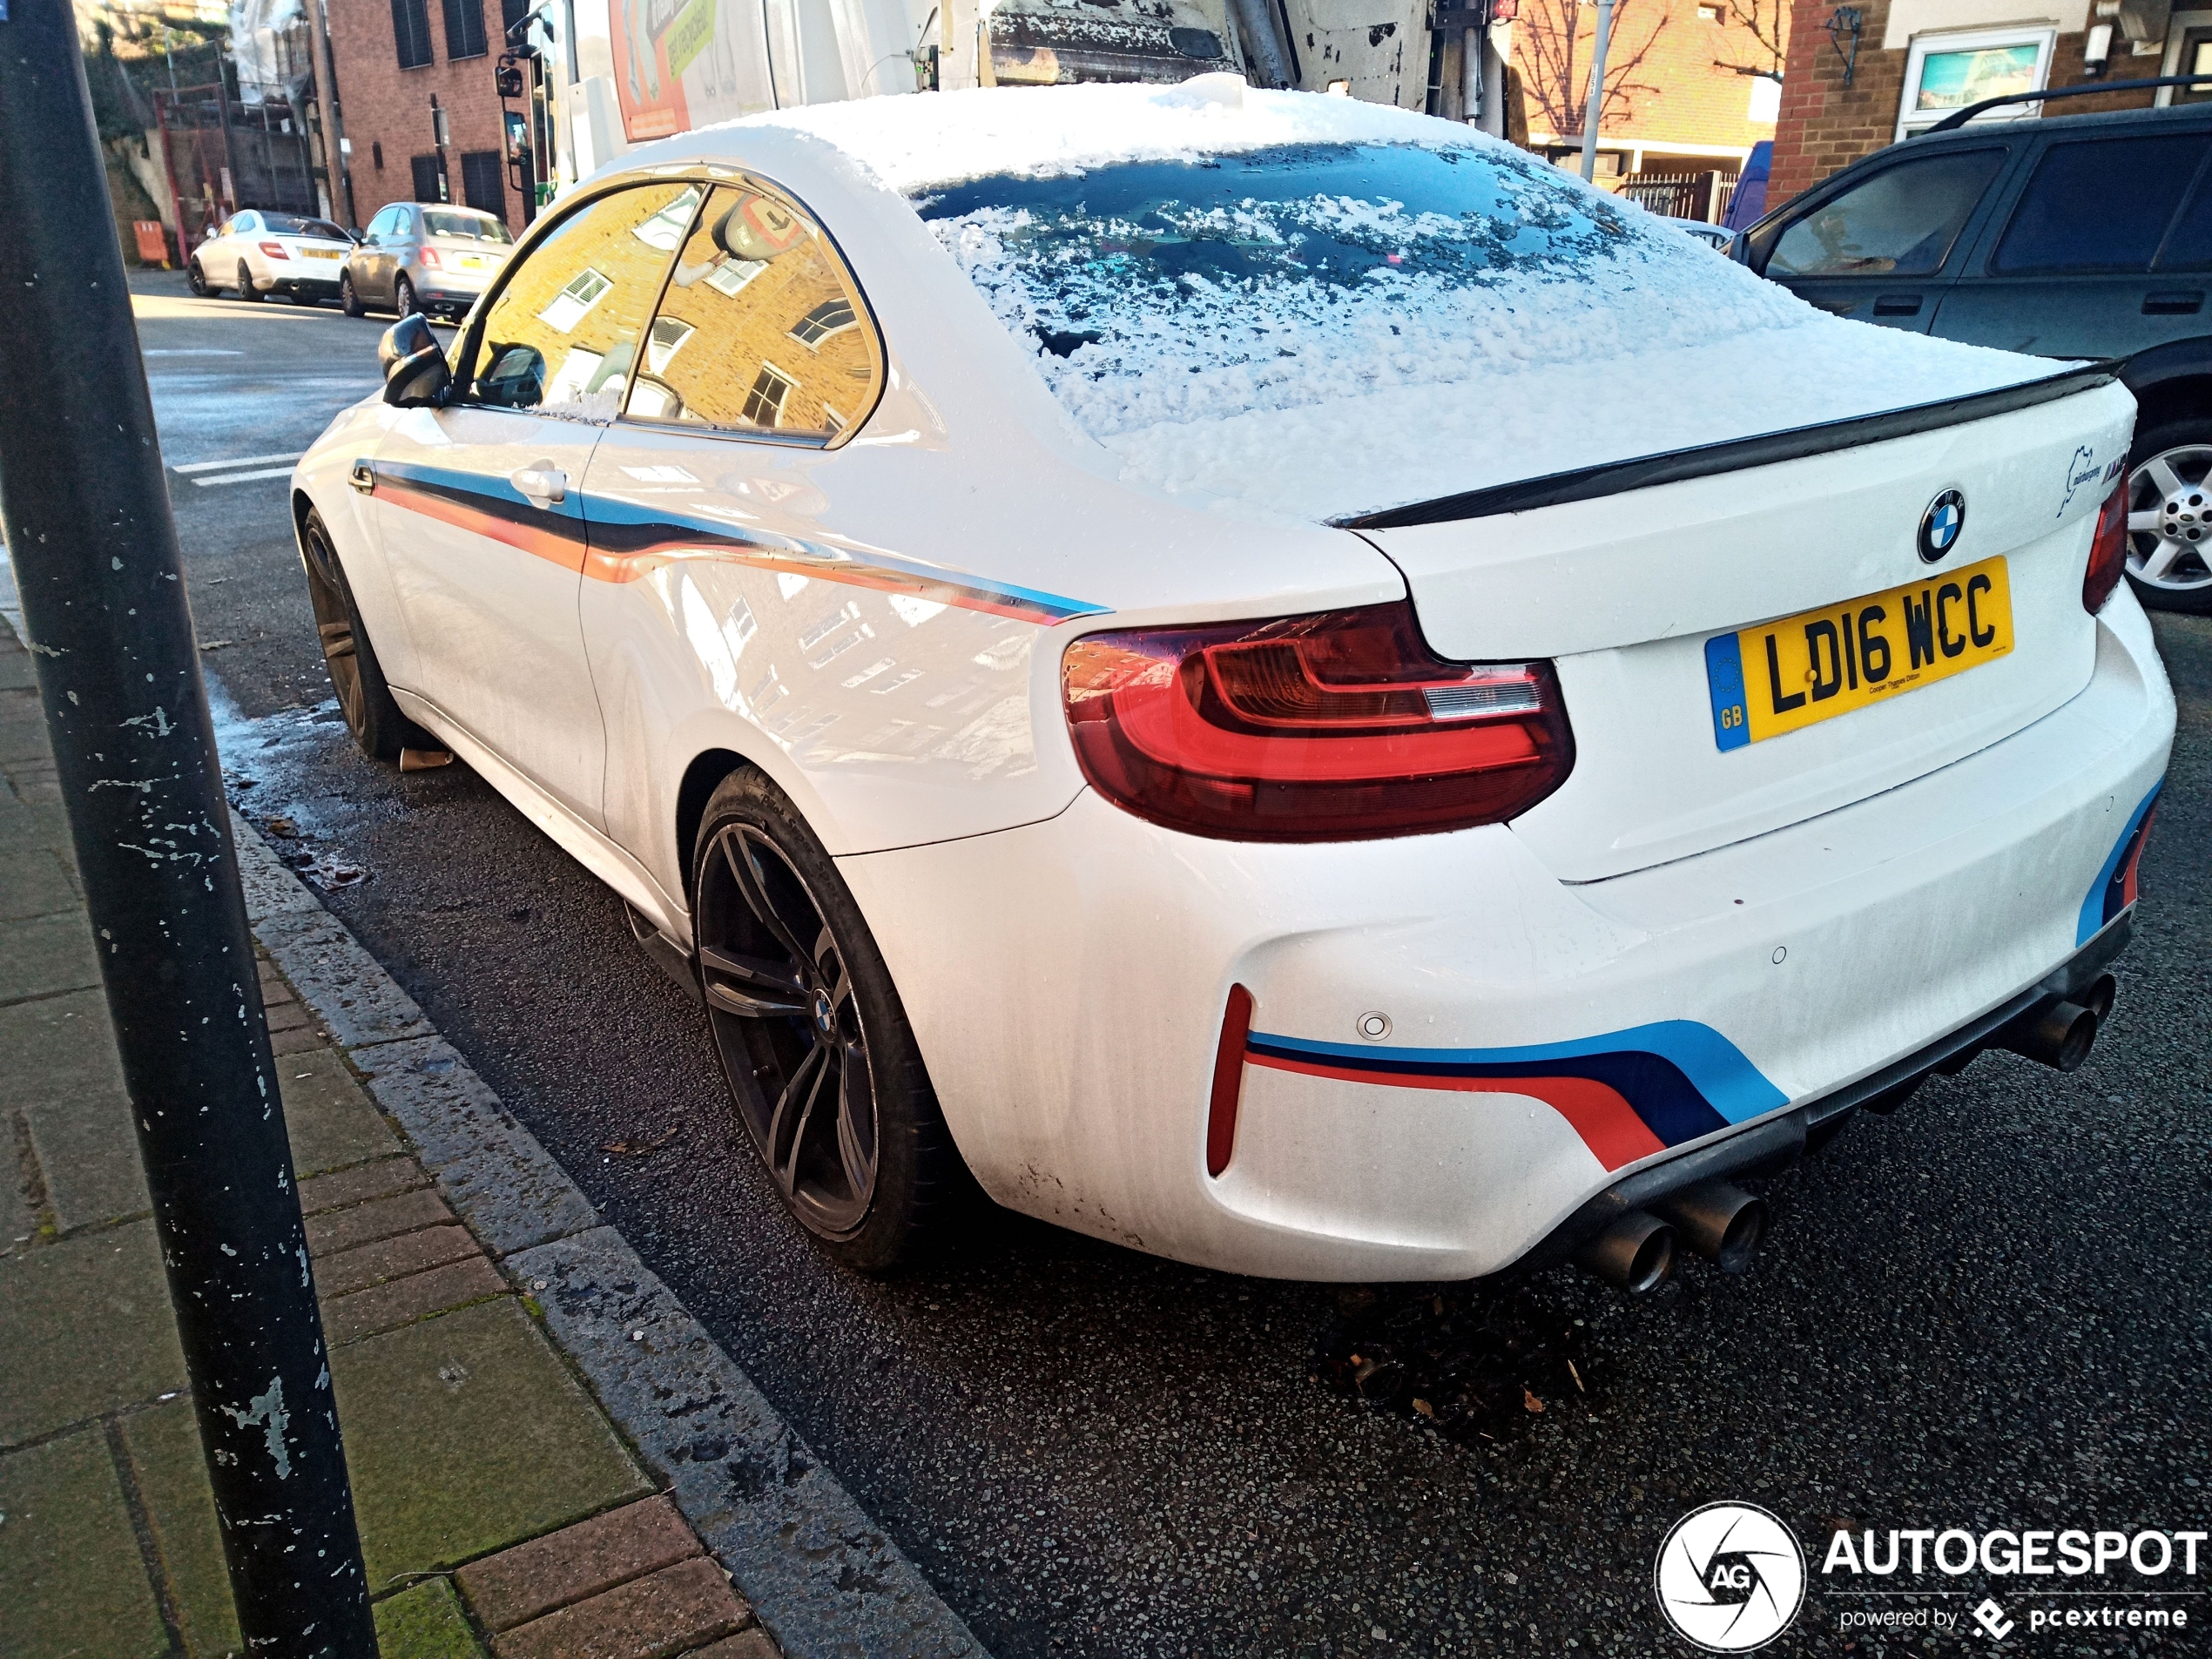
(500, 1511)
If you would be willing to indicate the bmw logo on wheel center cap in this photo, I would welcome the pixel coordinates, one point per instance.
(1940, 524)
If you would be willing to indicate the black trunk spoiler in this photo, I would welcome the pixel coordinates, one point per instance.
(1617, 477)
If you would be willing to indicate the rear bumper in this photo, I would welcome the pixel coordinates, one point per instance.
(1542, 1044)
(317, 288)
(445, 293)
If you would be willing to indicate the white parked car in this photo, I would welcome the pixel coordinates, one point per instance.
(1218, 659)
(254, 253)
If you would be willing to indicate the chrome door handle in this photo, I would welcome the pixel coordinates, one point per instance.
(363, 476)
(541, 484)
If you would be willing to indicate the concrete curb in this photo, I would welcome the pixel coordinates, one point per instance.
(824, 1579)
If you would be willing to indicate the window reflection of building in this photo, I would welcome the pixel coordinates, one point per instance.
(740, 300)
(566, 324)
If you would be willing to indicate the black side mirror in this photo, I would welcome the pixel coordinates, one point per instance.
(415, 373)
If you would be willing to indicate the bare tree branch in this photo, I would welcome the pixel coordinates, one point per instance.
(1768, 24)
(1554, 39)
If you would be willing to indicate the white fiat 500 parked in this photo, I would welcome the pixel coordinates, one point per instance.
(1287, 684)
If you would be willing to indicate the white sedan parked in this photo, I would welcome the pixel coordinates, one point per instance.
(254, 254)
(1283, 684)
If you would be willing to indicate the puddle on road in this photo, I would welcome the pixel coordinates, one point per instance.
(261, 759)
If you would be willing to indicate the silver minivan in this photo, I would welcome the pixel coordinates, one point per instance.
(424, 256)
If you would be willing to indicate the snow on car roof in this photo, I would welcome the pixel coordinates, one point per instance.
(913, 144)
(1287, 304)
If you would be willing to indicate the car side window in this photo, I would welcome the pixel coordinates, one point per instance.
(761, 328)
(381, 225)
(245, 224)
(564, 328)
(2189, 243)
(2099, 205)
(1901, 222)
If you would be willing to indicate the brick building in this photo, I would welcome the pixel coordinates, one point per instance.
(1863, 76)
(1690, 84)
(397, 61)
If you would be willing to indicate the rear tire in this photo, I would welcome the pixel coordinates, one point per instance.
(245, 288)
(821, 1064)
(196, 278)
(2169, 517)
(403, 299)
(379, 729)
(349, 300)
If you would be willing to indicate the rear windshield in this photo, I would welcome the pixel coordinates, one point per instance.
(1192, 290)
(466, 226)
(288, 225)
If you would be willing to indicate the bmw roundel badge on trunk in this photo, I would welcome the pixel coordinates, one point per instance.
(1940, 525)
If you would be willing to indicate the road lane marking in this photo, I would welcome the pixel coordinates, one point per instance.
(194, 351)
(244, 477)
(191, 467)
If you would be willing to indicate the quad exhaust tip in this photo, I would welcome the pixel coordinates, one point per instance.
(1637, 1252)
(1718, 1220)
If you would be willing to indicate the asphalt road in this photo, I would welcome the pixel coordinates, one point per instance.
(1990, 1310)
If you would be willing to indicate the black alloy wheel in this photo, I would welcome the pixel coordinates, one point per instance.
(348, 300)
(820, 1062)
(196, 278)
(373, 717)
(245, 288)
(403, 296)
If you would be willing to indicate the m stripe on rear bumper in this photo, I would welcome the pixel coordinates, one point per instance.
(1628, 1093)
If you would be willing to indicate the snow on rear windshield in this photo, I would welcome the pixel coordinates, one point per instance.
(1185, 290)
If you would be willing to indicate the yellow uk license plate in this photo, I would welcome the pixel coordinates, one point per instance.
(1783, 675)
(472, 261)
(323, 253)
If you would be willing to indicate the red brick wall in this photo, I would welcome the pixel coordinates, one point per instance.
(1826, 126)
(1682, 93)
(382, 103)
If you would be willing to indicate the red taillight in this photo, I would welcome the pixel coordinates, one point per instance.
(1336, 727)
(2108, 551)
(430, 259)
(275, 250)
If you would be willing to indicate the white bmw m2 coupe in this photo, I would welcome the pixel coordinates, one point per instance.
(1284, 683)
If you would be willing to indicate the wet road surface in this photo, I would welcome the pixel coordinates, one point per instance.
(1990, 1310)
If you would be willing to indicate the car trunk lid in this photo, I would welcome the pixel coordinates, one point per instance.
(1627, 580)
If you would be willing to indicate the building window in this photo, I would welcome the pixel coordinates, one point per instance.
(566, 308)
(764, 405)
(483, 182)
(1945, 73)
(429, 178)
(665, 340)
(831, 316)
(2189, 52)
(411, 30)
(511, 12)
(464, 28)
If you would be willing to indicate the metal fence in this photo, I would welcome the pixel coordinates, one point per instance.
(1681, 195)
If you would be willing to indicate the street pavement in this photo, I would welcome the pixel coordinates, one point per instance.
(495, 1498)
(1990, 1310)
